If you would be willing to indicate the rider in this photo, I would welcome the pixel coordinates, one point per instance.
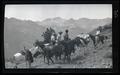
(98, 32)
(66, 36)
(59, 37)
(53, 41)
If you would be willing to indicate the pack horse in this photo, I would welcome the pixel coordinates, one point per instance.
(25, 55)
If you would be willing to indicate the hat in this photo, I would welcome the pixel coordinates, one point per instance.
(60, 32)
(66, 30)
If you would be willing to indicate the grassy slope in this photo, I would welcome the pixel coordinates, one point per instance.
(84, 57)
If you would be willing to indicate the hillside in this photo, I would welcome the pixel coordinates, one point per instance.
(84, 57)
(19, 33)
(25, 32)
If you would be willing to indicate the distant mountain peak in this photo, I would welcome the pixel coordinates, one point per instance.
(53, 19)
(57, 18)
(12, 18)
(83, 18)
(71, 20)
(48, 19)
(107, 18)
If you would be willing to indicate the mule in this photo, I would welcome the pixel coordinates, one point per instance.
(17, 57)
(97, 39)
(84, 38)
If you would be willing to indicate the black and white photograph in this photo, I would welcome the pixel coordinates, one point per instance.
(41, 36)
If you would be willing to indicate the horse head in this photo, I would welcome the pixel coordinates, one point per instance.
(92, 37)
(39, 44)
(22, 52)
(77, 41)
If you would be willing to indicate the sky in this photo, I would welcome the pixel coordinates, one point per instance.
(43, 11)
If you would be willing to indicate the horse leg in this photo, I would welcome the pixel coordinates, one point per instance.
(48, 60)
(26, 64)
(94, 43)
(69, 59)
(44, 58)
(97, 41)
(51, 60)
(15, 66)
(102, 41)
(56, 57)
(60, 57)
(65, 58)
(94, 46)
(29, 64)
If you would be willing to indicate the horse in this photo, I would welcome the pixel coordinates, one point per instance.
(100, 38)
(84, 38)
(50, 50)
(22, 55)
(69, 47)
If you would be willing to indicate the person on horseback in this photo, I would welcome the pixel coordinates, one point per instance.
(66, 36)
(98, 32)
(53, 40)
(59, 37)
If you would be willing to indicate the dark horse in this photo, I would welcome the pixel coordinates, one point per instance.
(101, 38)
(69, 47)
(50, 51)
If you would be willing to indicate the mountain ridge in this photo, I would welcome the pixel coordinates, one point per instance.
(81, 22)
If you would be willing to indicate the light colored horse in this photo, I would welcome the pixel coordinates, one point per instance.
(84, 37)
(19, 57)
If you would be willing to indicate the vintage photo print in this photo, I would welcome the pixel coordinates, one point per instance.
(58, 36)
